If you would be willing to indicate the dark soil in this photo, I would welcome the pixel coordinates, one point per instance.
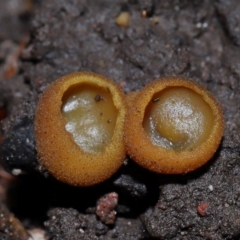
(195, 39)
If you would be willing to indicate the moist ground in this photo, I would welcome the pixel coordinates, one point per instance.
(195, 39)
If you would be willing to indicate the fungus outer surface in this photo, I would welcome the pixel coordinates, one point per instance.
(173, 126)
(59, 150)
(130, 98)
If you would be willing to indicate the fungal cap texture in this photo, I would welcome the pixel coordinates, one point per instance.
(157, 158)
(57, 150)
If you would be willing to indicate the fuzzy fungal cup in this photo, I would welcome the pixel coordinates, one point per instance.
(173, 126)
(79, 128)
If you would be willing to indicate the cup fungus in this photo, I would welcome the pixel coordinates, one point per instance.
(173, 126)
(79, 128)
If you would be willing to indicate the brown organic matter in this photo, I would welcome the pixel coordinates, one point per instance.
(82, 153)
(173, 126)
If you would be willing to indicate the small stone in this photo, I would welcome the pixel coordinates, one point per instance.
(201, 209)
(105, 208)
(210, 187)
(16, 172)
(123, 19)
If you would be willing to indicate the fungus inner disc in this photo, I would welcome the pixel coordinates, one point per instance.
(178, 118)
(90, 116)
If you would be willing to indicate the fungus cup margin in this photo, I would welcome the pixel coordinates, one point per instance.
(56, 148)
(156, 158)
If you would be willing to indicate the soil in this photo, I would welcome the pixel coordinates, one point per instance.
(194, 39)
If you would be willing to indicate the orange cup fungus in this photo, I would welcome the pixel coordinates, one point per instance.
(79, 128)
(173, 126)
